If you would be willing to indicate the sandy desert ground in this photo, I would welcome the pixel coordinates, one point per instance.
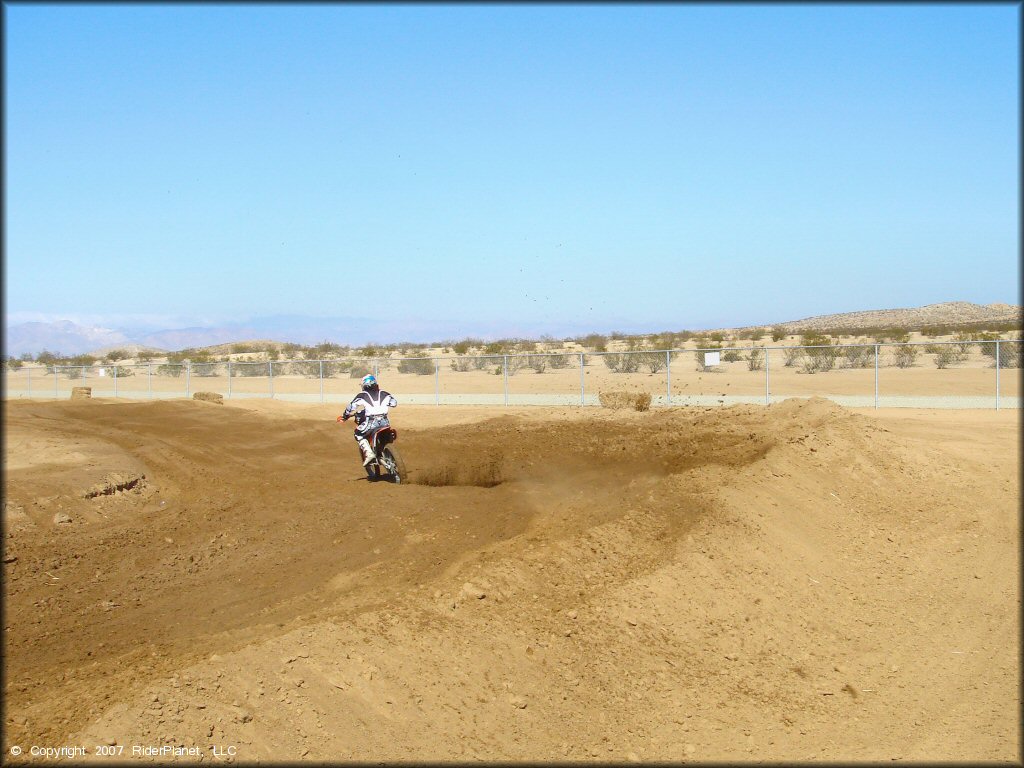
(795, 582)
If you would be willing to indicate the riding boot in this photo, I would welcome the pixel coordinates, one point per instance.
(364, 446)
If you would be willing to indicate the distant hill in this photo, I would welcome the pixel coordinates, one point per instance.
(951, 313)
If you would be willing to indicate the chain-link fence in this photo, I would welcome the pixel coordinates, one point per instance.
(951, 374)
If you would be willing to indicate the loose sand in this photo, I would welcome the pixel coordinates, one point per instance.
(799, 582)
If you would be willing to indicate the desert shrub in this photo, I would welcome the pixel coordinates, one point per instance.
(463, 364)
(717, 336)
(116, 354)
(500, 347)
(757, 334)
(538, 363)
(358, 370)
(778, 334)
(48, 358)
(945, 356)
(653, 361)
(558, 361)
(595, 342)
(121, 371)
(963, 345)
(310, 370)
(242, 349)
(620, 362)
(858, 357)
(755, 362)
(13, 363)
(732, 355)
(1009, 354)
(904, 355)
(170, 369)
(481, 362)
(207, 369)
(248, 370)
(462, 347)
(335, 368)
(821, 353)
(1009, 351)
(793, 355)
(418, 365)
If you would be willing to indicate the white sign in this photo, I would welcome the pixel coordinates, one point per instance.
(101, 371)
(712, 358)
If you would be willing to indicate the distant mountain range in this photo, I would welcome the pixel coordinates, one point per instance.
(69, 338)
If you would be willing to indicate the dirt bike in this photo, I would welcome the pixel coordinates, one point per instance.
(388, 458)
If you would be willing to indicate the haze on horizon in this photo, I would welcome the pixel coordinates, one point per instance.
(503, 169)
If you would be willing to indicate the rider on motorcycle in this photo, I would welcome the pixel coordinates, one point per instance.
(370, 407)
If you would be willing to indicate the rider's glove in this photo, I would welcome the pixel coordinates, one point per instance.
(343, 417)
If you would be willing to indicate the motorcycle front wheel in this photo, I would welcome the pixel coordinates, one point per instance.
(394, 464)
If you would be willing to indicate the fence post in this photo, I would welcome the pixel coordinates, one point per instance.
(668, 375)
(504, 366)
(188, 375)
(767, 381)
(997, 375)
(582, 401)
(376, 370)
(115, 380)
(270, 369)
(56, 395)
(149, 366)
(321, 380)
(29, 372)
(437, 385)
(876, 376)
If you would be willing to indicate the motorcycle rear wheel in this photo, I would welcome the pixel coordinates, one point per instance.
(392, 460)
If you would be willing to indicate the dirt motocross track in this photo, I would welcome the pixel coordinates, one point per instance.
(797, 582)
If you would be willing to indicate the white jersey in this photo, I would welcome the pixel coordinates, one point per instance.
(375, 404)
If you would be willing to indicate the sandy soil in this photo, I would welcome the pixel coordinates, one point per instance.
(800, 582)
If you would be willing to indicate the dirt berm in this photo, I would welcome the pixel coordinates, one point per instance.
(796, 583)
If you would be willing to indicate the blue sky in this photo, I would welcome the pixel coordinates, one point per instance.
(508, 168)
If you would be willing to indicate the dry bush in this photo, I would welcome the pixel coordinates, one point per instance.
(756, 360)
(858, 357)
(538, 363)
(655, 361)
(463, 364)
(558, 361)
(793, 355)
(621, 362)
(418, 365)
(904, 355)
(945, 356)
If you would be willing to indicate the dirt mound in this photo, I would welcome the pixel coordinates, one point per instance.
(706, 584)
(638, 401)
(210, 397)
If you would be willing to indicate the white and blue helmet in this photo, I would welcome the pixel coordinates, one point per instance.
(369, 381)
